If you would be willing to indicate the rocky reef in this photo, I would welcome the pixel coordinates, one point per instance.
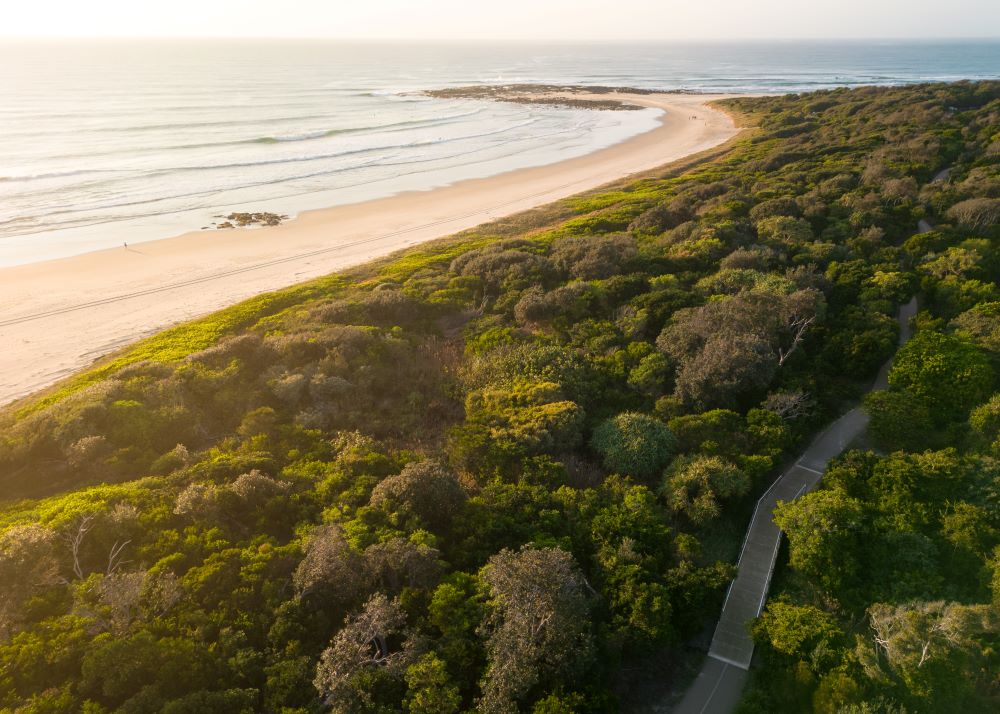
(243, 220)
(549, 94)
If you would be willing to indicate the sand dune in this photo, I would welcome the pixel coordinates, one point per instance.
(61, 315)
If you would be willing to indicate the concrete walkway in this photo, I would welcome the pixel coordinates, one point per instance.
(719, 685)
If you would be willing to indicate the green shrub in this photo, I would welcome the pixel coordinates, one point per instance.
(947, 373)
(634, 444)
(899, 420)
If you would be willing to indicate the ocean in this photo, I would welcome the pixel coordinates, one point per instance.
(102, 142)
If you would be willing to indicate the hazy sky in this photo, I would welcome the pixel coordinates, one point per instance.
(503, 19)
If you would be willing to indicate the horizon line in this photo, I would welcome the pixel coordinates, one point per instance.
(510, 40)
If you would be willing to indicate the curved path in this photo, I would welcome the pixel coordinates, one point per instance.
(719, 684)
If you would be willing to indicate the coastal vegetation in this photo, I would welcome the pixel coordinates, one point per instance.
(507, 471)
(890, 598)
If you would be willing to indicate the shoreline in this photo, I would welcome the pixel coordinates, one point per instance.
(109, 232)
(66, 313)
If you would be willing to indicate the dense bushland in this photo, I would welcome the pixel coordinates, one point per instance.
(890, 599)
(499, 471)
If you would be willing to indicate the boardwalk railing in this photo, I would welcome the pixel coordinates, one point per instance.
(747, 593)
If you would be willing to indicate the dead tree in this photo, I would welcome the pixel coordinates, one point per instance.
(75, 538)
(797, 326)
(115, 560)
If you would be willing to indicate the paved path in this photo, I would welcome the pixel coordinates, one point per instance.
(718, 687)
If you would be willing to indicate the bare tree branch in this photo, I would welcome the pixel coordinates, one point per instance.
(114, 557)
(75, 538)
(798, 326)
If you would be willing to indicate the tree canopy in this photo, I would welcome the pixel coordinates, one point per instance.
(511, 470)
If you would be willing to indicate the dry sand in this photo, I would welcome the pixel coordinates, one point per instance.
(61, 315)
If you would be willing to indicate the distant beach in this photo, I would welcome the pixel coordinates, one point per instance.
(109, 298)
(102, 142)
(108, 143)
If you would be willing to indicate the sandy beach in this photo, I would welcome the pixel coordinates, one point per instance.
(61, 315)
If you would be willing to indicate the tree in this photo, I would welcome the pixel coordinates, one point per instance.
(717, 431)
(894, 286)
(365, 645)
(143, 672)
(537, 626)
(563, 307)
(824, 530)
(732, 347)
(424, 489)
(931, 646)
(903, 565)
(629, 530)
(114, 601)
(909, 491)
(398, 563)
(509, 364)
(253, 489)
(236, 701)
(899, 420)
(994, 566)
(593, 257)
(726, 368)
(650, 375)
(790, 405)
(985, 421)
(860, 342)
(694, 486)
(981, 325)
(783, 206)
(958, 263)
(879, 705)
(559, 704)
(838, 693)
(900, 190)
(331, 569)
(198, 501)
(976, 212)
(968, 526)
(430, 688)
(456, 611)
(952, 296)
(28, 565)
(641, 610)
(533, 307)
(797, 630)
(505, 424)
(947, 373)
(634, 444)
(784, 231)
(505, 264)
(662, 216)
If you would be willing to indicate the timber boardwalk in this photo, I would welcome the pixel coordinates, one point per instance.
(719, 684)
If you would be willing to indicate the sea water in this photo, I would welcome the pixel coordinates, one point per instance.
(107, 141)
